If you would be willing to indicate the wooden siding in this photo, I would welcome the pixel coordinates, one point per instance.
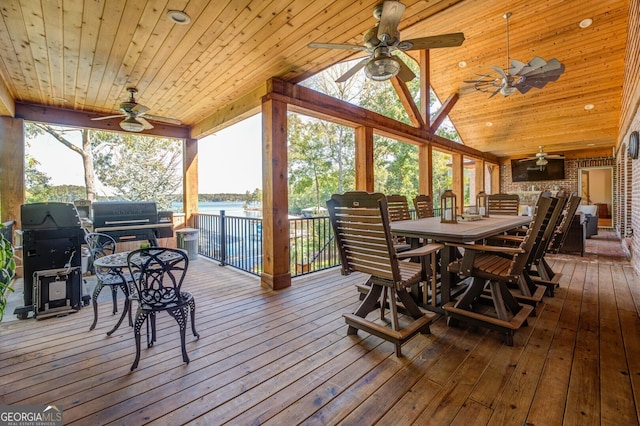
(267, 357)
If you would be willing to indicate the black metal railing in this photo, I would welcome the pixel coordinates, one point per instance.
(237, 242)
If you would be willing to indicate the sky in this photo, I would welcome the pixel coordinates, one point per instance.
(229, 161)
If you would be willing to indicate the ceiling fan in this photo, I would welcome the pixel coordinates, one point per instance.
(136, 115)
(542, 159)
(520, 76)
(384, 39)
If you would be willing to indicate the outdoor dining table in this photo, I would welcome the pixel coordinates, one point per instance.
(117, 262)
(462, 232)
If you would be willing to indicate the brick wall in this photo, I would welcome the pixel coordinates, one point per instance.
(568, 184)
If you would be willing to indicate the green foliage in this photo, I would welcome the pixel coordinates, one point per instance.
(139, 168)
(7, 271)
(37, 186)
(320, 161)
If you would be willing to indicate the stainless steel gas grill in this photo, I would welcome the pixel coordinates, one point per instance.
(132, 221)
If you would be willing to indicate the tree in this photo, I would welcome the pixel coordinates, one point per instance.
(33, 130)
(139, 168)
(36, 182)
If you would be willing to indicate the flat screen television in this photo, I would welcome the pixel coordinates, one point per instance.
(526, 171)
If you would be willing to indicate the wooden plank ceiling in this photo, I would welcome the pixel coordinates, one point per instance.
(88, 52)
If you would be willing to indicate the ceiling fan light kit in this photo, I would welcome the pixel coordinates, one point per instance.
(518, 76)
(130, 124)
(383, 66)
(382, 40)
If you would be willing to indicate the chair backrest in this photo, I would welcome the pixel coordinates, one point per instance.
(507, 204)
(560, 233)
(100, 245)
(360, 223)
(158, 276)
(535, 228)
(398, 208)
(423, 205)
(549, 224)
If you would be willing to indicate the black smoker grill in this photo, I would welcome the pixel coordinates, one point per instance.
(51, 241)
(132, 221)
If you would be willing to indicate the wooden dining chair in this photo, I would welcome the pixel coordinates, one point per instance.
(495, 267)
(530, 289)
(423, 205)
(543, 273)
(507, 204)
(361, 227)
(399, 210)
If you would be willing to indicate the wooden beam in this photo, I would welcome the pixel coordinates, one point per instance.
(317, 104)
(190, 180)
(65, 117)
(425, 88)
(364, 159)
(407, 103)
(275, 200)
(234, 112)
(444, 111)
(11, 168)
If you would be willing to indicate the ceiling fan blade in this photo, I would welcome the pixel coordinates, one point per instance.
(343, 46)
(391, 14)
(144, 123)
(516, 67)
(357, 67)
(109, 117)
(161, 119)
(500, 71)
(433, 42)
(405, 74)
(139, 109)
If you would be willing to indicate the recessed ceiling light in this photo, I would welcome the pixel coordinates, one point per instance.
(591, 144)
(58, 99)
(589, 106)
(585, 23)
(488, 124)
(462, 64)
(179, 17)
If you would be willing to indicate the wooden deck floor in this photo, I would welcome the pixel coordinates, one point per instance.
(284, 358)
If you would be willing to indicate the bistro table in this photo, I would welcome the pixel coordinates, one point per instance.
(461, 232)
(117, 262)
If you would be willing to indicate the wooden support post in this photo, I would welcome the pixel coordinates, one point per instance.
(364, 159)
(275, 201)
(11, 168)
(495, 178)
(479, 181)
(458, 179)
(190, 182)
(425, 169)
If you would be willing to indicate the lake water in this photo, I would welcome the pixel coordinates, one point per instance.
(230, 208)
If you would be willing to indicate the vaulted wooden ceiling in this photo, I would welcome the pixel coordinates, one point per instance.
(88, 52)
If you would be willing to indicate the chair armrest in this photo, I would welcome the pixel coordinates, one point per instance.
(507, 237)
(493, 249)
(420, 251)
